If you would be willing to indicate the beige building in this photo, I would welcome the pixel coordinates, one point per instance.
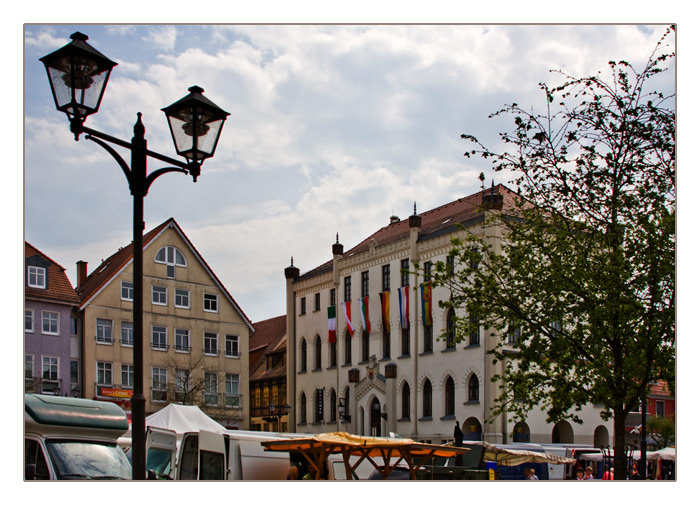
(195, 334)
(394, 377)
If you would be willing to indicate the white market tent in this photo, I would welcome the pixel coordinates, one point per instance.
(183, 419)
(669, 453)
(514, 457)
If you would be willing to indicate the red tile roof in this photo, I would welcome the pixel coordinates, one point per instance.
(270, 336)
(60, 289)
(433, 222)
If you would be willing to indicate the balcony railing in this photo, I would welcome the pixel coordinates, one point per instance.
(43, 386)
(104, 340)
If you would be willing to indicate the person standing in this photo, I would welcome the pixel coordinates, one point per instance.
(459, 438)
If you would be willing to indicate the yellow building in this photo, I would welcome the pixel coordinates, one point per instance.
(196, 336)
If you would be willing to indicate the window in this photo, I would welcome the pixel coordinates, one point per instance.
(427, 399)
(74, 373)
(233, 394)
(29, 320)
(182, 298)
(427, 271)
(386, 344)
(660, 408)
(473, 388)
(332, 297)
(348, 348)
(473, 330)
(406, 341)
(182, 340)
(333, 406)
(347, 286)
(365, 283)
(211, 388)
(36, 277)
(159, 337)
(514, 333)
(405, 401)
(333, 354)
(302, 408)
(211, 343)
(302, 310)
(127, 290)
(34, 455)
(127, 376)
(104, 373)
(317, 302)
(451, 330)
(302, 360)
(28, 366)
(49, 322)
(428, 338)
(127, 334)
(404, 272)
(171, 257)
(450, 261)
(386, 278)
(232, 347)
(49, 374)
(159, 384)
(182, 384)
(159, 295)
(211, 302)
(103, 329)
(365, 345)
(449, 397)
(317, 353)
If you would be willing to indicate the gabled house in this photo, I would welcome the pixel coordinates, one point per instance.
(51, 341)
(195, 334)
(268, 375)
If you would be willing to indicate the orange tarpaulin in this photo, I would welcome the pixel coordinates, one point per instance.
(316, 449)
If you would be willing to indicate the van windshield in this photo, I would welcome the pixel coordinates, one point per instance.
(78, 459)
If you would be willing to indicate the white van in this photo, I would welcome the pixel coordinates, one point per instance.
(73, 438)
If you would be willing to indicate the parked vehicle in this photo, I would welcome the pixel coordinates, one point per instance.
(73, 438)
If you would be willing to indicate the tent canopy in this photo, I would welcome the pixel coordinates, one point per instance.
(515, 457)
(316, 449)
(182, 419)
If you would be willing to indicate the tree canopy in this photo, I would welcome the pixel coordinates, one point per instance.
(579, 296)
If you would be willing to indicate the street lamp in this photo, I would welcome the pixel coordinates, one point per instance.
(78, 75)
(276, 413)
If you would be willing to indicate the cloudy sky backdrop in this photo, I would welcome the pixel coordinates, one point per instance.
(332, 130)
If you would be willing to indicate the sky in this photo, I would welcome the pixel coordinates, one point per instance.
(333, 129)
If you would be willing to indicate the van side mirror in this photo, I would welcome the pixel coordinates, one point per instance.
(30, 471)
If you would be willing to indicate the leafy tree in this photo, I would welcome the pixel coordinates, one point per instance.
(662, 430)
(583, 279)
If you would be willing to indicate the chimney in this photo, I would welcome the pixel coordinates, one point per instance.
(491, 199)
(82, 272)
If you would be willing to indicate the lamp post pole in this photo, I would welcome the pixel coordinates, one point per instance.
(78, 75)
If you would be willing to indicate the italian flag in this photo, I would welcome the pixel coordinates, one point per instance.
(348, 317)
(331, 324)
(364, 306)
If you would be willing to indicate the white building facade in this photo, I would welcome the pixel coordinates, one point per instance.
(390, 376)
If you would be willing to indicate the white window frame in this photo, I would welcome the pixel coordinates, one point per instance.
(30, 313)
(159, 383)
(29, 359)
(233, 390)
(180, 296)
(209, 337)
(210, 299)
(47, 314)
(156, 330)
(106, 370)
(162, 292)
(172, 257)
(100, 336)
(234, 340)
(127, 332)
(36, 277)
(128, 373)
(211, 379)
(180, 334)
(128, 286)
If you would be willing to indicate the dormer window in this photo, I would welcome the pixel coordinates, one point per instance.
(171, 257)
(36, 277)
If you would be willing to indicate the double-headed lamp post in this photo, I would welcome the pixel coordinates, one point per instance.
(78, 75)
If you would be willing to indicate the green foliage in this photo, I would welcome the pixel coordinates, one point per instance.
(586, 272)
(662, 430)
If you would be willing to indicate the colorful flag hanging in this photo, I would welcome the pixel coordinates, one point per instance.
(426, 294)
(403, 306)
(386, 314)
(348, 317)
(364, 308)
(331, 324)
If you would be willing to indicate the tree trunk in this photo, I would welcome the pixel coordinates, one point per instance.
(620, 464)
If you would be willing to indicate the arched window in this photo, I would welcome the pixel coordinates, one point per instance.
(473, 388)
(405, 401)
(302, 358)
(302, 408)
(348, 348)
(449, 397)
(427, 399)
(171, 257)
(451, 331)
(333, 354)
(333, 405)
(317, 353)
